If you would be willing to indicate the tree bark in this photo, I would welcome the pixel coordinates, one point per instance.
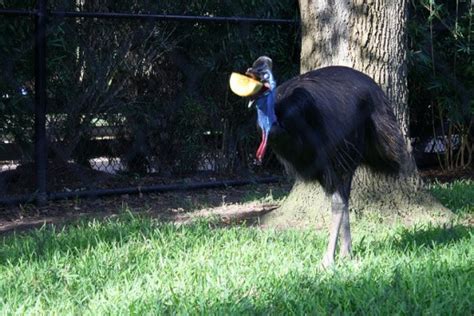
(370, 36)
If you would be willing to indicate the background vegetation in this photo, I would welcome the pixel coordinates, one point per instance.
(155, 94)
(161, 88)
(441, 79)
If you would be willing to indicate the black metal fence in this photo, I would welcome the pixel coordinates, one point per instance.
(129, 102)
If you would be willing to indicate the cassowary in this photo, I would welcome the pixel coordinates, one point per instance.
(322, 125)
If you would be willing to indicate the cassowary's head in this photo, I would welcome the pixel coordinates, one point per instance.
(261, 70)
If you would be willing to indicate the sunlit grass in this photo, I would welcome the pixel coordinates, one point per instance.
(136, 265)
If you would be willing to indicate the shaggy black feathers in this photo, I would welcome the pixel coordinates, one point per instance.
(331, 120)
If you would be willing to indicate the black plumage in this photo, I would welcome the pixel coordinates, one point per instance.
(330, 121)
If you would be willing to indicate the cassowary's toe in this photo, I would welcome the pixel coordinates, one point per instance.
(327, 262)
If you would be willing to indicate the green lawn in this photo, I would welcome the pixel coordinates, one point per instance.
(135, 265)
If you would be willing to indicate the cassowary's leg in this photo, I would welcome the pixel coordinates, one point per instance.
(337, 209)
(340, 216)
(346, 246)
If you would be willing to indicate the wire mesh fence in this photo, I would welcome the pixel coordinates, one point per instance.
(132, 100)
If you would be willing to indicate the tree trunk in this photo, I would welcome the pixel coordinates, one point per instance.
(370, 36)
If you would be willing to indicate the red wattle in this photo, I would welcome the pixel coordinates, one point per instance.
(261, 149)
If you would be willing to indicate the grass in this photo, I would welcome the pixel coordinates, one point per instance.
(457, 196)
(136, 265)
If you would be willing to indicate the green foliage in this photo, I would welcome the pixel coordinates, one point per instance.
(159, 89)
(145, 80)
(16, 64)
(441, 78)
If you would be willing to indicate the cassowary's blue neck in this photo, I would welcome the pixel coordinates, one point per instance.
(266, 116)
(266, 110)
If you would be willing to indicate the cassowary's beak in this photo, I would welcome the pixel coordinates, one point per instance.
(257, 76)
(252, 73)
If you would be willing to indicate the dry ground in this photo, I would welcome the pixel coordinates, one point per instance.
(232, 204)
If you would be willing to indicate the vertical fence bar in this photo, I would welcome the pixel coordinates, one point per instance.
(40, 155)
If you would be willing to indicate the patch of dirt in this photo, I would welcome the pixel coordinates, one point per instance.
(431, 175)
(232, 204)
(229, 204)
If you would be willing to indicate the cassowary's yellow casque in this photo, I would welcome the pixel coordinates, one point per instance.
(244, 86)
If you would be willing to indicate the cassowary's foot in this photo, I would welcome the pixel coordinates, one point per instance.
(327, 261)
(346, 248)
(345, 254)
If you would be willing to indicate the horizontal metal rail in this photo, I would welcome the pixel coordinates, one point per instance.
(25, 199)
(167, 17)
(150, 16)
(17, 12)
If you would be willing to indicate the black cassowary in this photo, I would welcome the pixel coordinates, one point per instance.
(322, 125)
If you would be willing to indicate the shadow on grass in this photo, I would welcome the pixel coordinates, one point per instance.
(405, 290)
(73, 239)
(417, 238)
(431, 236)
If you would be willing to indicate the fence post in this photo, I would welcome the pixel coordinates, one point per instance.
(40, 156)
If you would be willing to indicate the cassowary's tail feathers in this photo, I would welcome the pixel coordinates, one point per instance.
(386, 151)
